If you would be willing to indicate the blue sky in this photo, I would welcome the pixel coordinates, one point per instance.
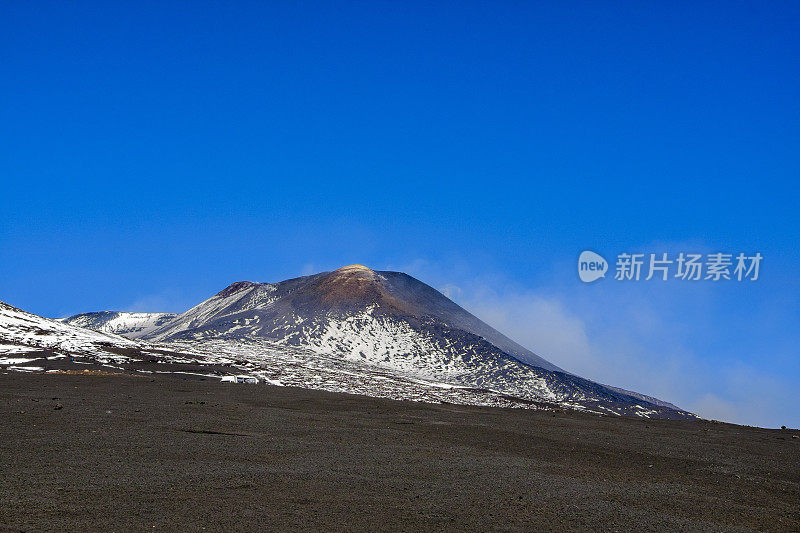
(152, 154)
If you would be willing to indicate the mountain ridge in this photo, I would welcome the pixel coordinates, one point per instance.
(129, 324)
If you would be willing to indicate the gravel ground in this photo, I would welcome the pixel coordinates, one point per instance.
(131, 453)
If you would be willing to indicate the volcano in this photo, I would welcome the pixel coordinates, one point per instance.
(378, 321)
(345, 307)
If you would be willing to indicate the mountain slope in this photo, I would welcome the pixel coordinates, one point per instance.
(131, 325)
(30, 343)
(22, 331)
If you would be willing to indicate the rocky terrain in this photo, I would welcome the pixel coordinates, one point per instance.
(99, 451)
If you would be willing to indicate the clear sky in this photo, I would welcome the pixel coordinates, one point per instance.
(151, 153)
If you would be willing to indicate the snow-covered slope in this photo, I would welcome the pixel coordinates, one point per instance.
(22, 331)
(131, 325)
(376, 351)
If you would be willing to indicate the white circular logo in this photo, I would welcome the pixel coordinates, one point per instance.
(591, 266)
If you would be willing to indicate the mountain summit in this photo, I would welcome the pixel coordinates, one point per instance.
(402, 313)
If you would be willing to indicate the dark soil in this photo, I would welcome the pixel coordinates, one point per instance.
(177, 453)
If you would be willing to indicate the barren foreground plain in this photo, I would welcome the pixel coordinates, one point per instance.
(125, 452)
